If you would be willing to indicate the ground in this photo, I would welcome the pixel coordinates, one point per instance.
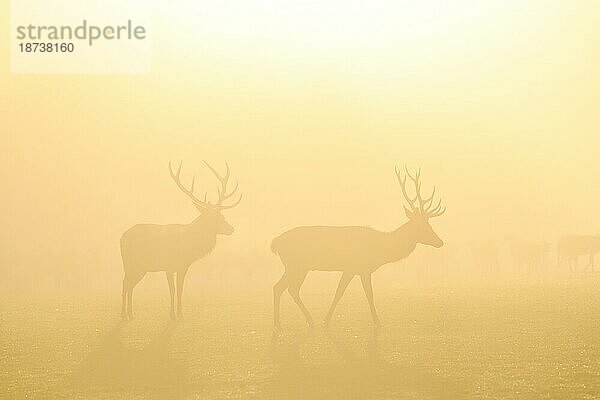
(488, 341)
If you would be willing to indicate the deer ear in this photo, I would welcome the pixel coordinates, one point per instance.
(409, 214)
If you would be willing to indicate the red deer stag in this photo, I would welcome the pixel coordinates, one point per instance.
(173, 248)
(353, 250)
(570, 247)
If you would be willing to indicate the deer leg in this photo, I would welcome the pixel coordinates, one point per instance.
(344, 281)
(131, 284)
(171, 280)
(278, 289)
(294, 290)
(129, 306)
(124, 299)
(180, 279)
(368, 288)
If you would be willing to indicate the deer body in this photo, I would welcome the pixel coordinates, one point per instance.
(353, 250)
(173, 248)
(154, 248)
(570, 247)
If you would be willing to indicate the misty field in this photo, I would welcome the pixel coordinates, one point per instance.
(493, 341)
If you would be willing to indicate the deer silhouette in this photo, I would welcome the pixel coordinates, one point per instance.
(528, 257)
(570, 247)
(173, 248)
(353, 250)
(485, 257)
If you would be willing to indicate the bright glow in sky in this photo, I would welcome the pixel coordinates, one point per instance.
(498, 95)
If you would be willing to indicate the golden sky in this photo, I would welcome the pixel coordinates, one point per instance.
(312, 106)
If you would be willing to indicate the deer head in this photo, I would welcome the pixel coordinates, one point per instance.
(210, 212)
(420, 210)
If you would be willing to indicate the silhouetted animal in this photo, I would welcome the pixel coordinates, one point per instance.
(570, 247)
(353, 250)
(173, 248)
(485, 257)
(527, 256)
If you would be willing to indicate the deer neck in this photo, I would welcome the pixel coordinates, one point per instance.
(203, 233)
(401, 242)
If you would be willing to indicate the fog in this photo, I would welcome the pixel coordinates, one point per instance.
(497, 105)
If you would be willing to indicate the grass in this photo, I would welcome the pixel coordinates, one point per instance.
(474, 342)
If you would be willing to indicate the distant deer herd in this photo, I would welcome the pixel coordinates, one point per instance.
(351, 250)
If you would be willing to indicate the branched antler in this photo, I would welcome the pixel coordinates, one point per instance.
(424, 206)
(222, 191)
(189, 192)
